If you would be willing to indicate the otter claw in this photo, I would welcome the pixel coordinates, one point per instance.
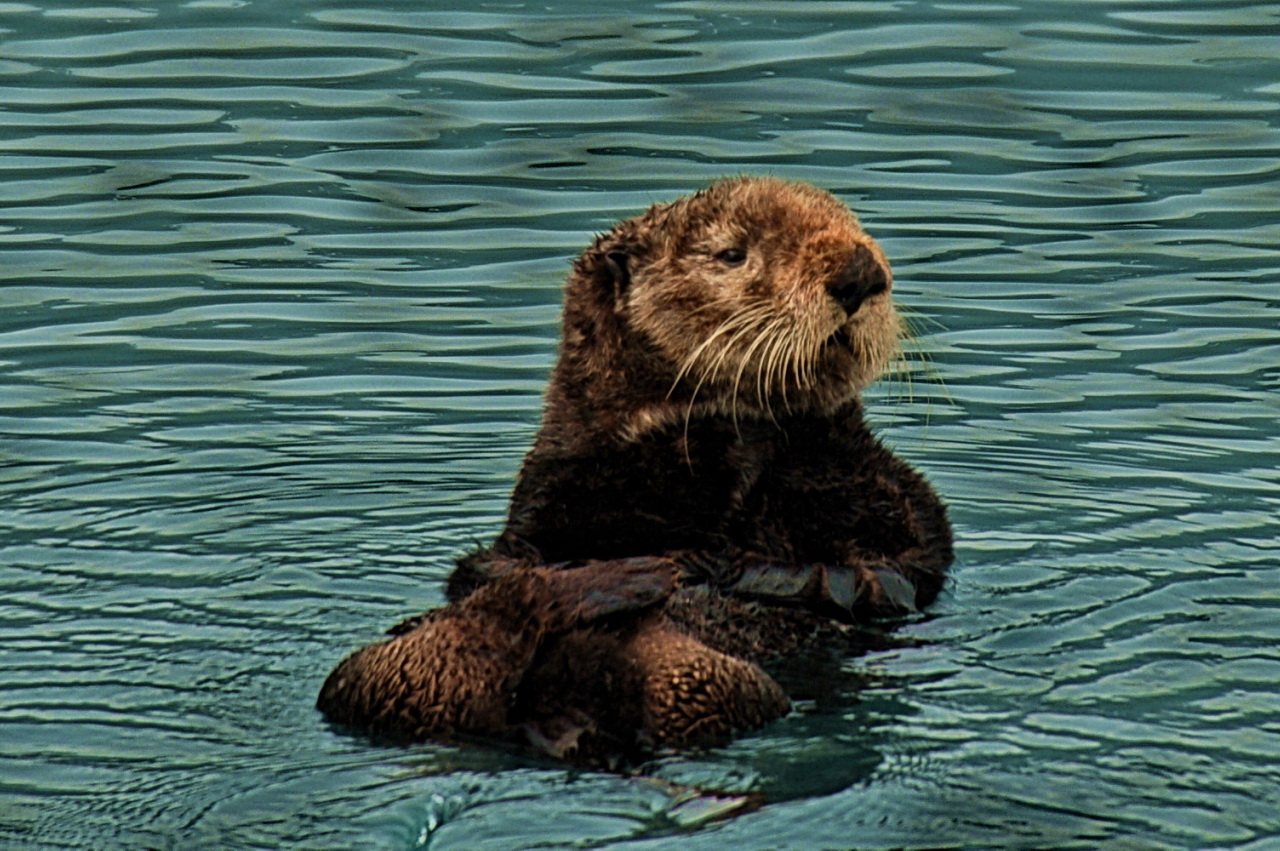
(826, 586)
(777, 582)
(897, 589)
(840, 586)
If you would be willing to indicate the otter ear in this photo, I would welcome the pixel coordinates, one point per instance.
(618, 261)
(615, 258)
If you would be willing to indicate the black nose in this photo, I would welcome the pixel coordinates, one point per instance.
(863, 278)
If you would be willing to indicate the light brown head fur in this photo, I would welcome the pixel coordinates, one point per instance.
(753, 298)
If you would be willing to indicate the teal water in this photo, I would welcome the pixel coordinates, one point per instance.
(279, 293)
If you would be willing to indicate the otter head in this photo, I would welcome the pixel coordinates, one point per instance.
(751, 298)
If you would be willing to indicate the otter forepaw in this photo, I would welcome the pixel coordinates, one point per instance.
(888, 590)
(699, 567)
(782, 582)
(841, 590)
(600, 588)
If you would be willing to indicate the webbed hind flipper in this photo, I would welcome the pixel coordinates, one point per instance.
(611, 694)
(695, 695)
(456, 669)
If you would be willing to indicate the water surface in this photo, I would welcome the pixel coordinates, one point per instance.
(280, 293)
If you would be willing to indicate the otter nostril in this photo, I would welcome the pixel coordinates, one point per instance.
(879, 281)
(850, 293)
(863, 278)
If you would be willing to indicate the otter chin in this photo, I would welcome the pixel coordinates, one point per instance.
(703, 499)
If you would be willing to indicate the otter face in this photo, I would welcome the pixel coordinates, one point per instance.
(761, 295)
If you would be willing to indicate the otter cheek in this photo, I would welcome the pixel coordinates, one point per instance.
(664, 325)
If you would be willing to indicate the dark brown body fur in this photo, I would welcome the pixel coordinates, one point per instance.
(703, 426)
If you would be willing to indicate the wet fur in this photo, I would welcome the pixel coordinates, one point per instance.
(702, 423)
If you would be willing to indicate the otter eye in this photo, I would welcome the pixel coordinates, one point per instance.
(732, 256)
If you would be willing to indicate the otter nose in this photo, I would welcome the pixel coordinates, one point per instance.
(862, 278)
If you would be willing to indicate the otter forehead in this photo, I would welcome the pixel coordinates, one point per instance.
(769, 211)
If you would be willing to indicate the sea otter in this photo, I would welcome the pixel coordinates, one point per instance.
(703, 495)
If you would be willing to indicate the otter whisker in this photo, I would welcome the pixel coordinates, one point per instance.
(729, 325)
(808, 353)
(764, 375)
(726, 327)
(758, 328)
(791, 366)
(789, 363)
(746, 360)
(768, 338)
(753, 320)
(815, 344)
(780, 358)
(910, 317)
(736, 326)
(775, 383)
(912, 351)
(899, 366)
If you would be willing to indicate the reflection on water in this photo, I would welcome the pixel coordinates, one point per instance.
(281, 290)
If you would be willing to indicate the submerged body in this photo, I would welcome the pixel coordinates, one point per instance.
(702, 425)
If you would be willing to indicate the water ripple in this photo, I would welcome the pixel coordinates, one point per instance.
(281, 293)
